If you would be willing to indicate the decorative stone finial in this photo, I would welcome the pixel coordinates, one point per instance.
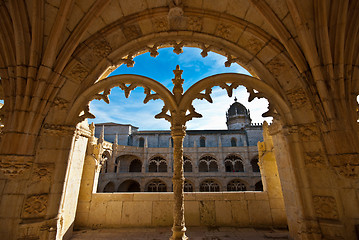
(177, 81)
(102, 135)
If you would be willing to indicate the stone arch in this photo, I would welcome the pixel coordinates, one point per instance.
(233, 163)
(129, 186)
(188, 186)
(254, 163)
(237, 185)
(109, 187)
(210, 185)
(135, 166)
(156, 185)
(125, 161)
(207, 163)
(157, 163)
(187, 164)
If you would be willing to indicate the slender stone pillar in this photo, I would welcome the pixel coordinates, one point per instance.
(179, 229)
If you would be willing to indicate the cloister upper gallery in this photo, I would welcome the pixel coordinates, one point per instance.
(55, 56)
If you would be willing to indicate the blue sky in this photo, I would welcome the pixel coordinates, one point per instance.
(195, 67)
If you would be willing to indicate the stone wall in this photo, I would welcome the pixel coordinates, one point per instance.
(244, 209)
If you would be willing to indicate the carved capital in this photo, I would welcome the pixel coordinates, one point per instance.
(325, 207)
(35, 206)
(14, 165)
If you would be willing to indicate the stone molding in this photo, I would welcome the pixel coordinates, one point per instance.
(314, 159)
(14, 165)
(58, 130)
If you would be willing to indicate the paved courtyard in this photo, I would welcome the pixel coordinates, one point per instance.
(194, 233)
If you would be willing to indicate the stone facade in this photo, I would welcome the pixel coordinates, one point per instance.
(137, 160)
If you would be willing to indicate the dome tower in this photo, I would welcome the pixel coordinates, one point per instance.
(238, 116)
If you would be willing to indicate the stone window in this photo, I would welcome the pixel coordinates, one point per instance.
(157, 164)
(208, 164)
(188, 187)
(236, 185)
(105, 157)
(110, 187)
(209, 186)
(233, 163)
(129, 186)
(187, 164)
(156, 186)
(258, 186)
(117, 164)
(255, 166)
(135, 166)
(234, 142)
(141, 142)
(202, 142)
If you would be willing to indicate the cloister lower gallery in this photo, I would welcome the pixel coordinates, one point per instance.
(55, 57)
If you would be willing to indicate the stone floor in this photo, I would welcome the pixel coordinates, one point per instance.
(194, 233)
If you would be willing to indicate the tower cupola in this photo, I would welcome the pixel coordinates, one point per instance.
(238, 116)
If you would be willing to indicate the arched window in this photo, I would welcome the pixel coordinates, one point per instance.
(236, 185)
(234, 142)
(202, 142)
(187, 187)
(135, 166)
(233, 163)
(255, 166)
(110, 187)
(208, 163)
(104, 159)
(187, 164)
(157, 164)
(129, 186)
(258, 186)
(141, 142)
(209, 186)
(156, 186)
(117, 165)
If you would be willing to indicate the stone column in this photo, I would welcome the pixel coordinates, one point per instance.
(178, 132)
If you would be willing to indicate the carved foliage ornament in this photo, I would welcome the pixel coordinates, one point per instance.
(35, 206)
(325, 207)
